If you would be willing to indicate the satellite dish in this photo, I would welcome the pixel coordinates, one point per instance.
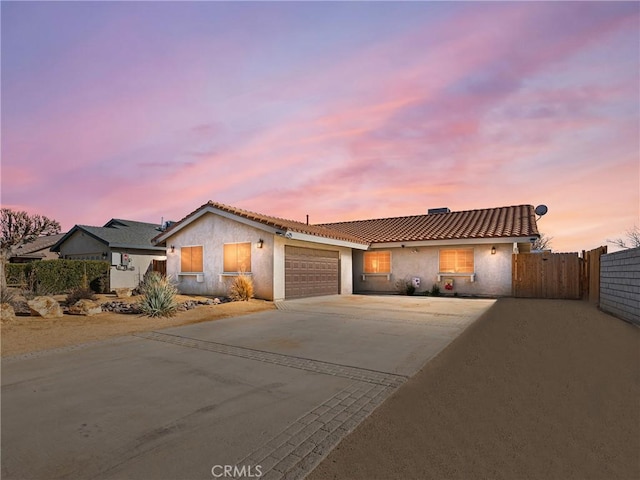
(541, 210)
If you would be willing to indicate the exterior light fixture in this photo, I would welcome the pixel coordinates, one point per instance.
(260, 243)
(493, 250)
(104, 255)
(173, 248)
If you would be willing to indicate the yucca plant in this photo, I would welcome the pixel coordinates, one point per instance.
(241, 288)
(158, 296)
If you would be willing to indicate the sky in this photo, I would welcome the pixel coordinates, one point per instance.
(342, 111)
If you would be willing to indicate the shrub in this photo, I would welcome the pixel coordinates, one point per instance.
(241, 288)
(58, 276)
(158, 296)
(81, 292)
(435, 290)
(405, 287)
(6, 295)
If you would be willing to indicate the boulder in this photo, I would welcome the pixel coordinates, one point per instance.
(123, 292)
(7, 314)
(85, 307)
(217, 301)
(45, 307)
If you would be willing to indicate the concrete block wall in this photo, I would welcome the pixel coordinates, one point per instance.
(620, 284)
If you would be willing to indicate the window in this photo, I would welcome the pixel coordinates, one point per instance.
(458, 260)
(237, 257)
(191, 259)
(377, 262)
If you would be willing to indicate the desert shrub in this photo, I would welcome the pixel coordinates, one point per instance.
(158, 296)
(241, 288)
(83, 291)
(435, 290)
(6, 295)
(405, 287)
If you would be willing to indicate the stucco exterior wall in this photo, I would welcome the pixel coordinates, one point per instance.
(212, 232)
(139, 265)
(346, 275)
(493, 272)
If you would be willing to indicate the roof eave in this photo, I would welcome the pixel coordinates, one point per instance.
(455, 241)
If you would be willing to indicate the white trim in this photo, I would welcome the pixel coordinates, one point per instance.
(472, 276)
(451, 242)
(305, 237)
(365, 275)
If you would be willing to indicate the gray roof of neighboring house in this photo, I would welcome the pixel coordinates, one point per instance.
(34, 249)
(119, 233)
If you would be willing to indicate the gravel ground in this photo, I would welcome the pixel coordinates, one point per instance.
(535, 389)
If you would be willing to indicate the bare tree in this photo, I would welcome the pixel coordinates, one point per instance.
(632, 239)
(18, 228)
(542, 243)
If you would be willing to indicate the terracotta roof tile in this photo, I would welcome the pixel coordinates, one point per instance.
(513, 221)
(276, 222)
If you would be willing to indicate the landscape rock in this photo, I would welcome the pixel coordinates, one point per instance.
(21, 307)
(45, 307)
(123, 292)
(85, 307)
(7, 314)
(120, 307)
(217, 301)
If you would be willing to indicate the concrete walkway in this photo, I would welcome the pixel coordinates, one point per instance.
(269, 393)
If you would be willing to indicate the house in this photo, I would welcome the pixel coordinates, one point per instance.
(39, 249)
(125, 243)
(465, 252)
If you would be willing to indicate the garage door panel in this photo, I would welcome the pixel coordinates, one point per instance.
(311, 272)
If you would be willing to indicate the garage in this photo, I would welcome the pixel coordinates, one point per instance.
(310, 272)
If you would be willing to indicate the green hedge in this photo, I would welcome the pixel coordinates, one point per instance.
(60, 276)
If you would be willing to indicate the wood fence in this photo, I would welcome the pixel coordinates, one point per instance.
(557, 275)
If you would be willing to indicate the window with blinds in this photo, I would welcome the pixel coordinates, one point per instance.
(237, 257)
(377, 262)
(191, 259)
(456, 260)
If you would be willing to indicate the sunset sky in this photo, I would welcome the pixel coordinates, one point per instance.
(342, 111)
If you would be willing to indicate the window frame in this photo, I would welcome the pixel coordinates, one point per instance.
(456, 270)
(187, 272)
(379, 272)
(238, 270)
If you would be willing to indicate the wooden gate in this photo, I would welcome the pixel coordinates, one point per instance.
(160, 266)
(591, 274)
(546, 275)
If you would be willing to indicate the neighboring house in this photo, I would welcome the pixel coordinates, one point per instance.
(124, 243)
(469, 251)
(39, 249)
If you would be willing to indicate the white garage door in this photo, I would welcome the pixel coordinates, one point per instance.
(309, 272)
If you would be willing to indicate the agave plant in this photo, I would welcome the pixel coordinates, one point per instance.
(158, 296)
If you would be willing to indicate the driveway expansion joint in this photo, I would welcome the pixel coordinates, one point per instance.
(300, 363)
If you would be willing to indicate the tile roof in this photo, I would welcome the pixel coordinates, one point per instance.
(513, 221)
(275, 222)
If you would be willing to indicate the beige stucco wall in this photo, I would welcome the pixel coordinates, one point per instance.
(493, 272)
(346, 275)
(212, 232)
(131, 278)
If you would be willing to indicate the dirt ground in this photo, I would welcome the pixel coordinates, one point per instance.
(31, 334)
(535, 389)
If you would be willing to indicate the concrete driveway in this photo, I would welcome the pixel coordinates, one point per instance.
(264, 394)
